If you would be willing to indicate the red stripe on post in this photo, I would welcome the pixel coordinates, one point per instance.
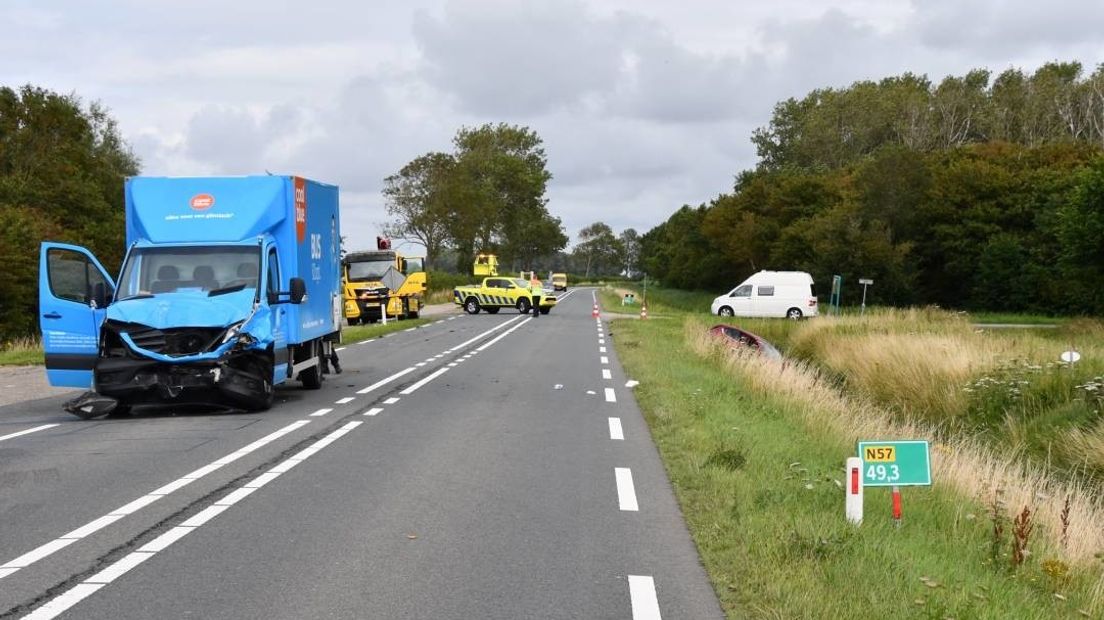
(854, 481)
(897, 503)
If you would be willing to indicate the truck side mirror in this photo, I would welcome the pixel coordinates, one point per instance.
(298, 290)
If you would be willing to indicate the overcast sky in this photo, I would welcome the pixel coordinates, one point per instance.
(643, 105)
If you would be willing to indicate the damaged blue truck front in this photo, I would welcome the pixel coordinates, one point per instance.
(229, 287)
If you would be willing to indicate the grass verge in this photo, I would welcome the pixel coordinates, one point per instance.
(759, 474)
(359, 333)
(22, 352)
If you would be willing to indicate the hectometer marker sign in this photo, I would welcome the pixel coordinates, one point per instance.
(895, 463)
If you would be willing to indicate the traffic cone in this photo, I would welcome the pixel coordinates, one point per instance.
(643, 312)
(594, 313)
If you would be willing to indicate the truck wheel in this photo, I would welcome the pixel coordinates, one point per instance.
(353, 322)
(491, 310)
(263, 400)
(545, 310)
(312, 377)
(523, 305)
(471, 306)
(413, 314)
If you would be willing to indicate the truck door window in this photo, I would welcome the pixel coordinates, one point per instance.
(273, 286)
(71, 275)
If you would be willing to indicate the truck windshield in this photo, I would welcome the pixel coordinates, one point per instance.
(368, 270)
(151, 271)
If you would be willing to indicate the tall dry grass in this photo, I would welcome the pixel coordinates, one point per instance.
(965, 465)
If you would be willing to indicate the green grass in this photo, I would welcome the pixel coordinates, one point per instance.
(359, 333)
(24, 352)
(759, 492)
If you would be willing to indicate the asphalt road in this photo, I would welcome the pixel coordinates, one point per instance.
(487, 466)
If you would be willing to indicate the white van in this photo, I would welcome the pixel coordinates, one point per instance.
(787, 294)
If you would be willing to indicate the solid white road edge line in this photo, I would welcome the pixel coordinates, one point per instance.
(83, 590)
(91, 527)
(383, 382)
(616, 432)
(28, 431)
(414, 387)
(626, 493)
(503, 335)
(610, 396)
(645, 605)
(486, 333)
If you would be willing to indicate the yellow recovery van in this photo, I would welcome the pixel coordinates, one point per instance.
(382, 281)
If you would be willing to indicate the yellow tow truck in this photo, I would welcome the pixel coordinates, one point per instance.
(382, 281)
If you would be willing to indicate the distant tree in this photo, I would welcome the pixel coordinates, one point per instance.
(598, 249)
(630, 252)
(418, 197)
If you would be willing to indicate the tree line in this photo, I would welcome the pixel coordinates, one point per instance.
(965, 194)
(487, 195)
(62, 167)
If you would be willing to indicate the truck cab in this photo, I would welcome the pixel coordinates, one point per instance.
(382, 283)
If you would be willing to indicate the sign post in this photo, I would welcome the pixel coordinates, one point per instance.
(853, 505)
(865, 282)
(895, 464)
(837, 288)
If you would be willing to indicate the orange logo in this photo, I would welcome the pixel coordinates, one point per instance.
(300, 209)
(202, 202)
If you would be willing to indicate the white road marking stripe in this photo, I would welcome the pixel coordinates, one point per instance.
(345, 401)
(452, 318)
(601, 341)
(320, 412)
(503, 335)
(645, 605)
(437, 357)
(373, 411)
(391, 401)
(616, 432)
(606, 373)
(488, 332)
(428, 360)
(420, 364)
(116, 570)
(89, 528)
(83, 590)
(601, 349)
(35, 555)
(413, 388)
(383, 382)
(339, 349)
(453, 364)
(58, 606)
(28, 431)
(262, 480)
(626, 494)
(236, 496)
(166, 539)
(206, 515)
(55, 545)
(610, 396)
(603, 359)
(410, 330)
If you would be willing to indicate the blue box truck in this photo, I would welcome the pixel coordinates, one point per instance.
(229, 286)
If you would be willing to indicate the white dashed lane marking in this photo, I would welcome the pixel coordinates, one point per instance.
(616, 432)
(604, 359)
(345, 401)
(606, 373)
(601, 349)
(610, 396)
(626, 493)
(642, 593)
(391, 401)
(373, 411)
(320, 412)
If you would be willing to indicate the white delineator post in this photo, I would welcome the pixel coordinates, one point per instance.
(383, 312)
(854, 492)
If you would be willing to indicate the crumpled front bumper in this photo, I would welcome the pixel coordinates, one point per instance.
(146, 381)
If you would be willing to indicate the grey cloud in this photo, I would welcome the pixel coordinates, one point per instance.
(517, 58)
(1004, 30)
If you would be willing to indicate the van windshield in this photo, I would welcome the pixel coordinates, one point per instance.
(152, 271)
